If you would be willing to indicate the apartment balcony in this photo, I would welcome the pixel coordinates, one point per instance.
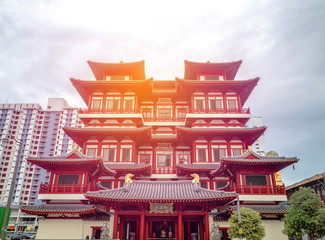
(66, 188)
(259, 190)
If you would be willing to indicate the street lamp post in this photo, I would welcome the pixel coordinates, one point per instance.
(239, 219)
(13, 182)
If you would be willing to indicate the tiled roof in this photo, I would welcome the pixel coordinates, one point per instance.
(59, 208)
(80, 135)
(265, 209)
(252, 159)
(307, 180)
(243, 87)
(124, 168)
(206, 168)
(249, 135)
(73, 159)
(160, 191)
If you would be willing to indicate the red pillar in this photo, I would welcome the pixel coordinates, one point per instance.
(209, 152)
(206, 223)
(115, 225)
(211, 184)
(180, 226)
(142, 226)
(115, 183)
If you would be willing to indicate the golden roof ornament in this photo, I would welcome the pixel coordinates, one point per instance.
(128, 177)
(250, 149)
(75, 148)
(196, 178)
(121, 61)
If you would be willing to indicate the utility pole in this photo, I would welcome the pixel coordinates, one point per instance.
(12, 186)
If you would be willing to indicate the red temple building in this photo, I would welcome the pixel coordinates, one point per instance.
(161, 159)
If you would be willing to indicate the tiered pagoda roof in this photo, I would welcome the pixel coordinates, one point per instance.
(242, 87)
(248, 135)
(134, 69)
(73, 161)
(87, 88)
(80, 135)
(252, 160)
(193, 69)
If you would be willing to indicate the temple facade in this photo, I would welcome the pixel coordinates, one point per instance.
(160, 159)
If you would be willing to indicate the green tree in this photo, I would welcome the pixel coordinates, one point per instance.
(251, 225)
(305, 215)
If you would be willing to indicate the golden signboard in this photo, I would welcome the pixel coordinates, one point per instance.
(161, 207)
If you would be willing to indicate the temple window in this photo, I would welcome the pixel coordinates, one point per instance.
(199, 102)
(91, 150)
(218, 152)
(181, 113)
(183, 158)
(109, 153)
(96, 103)
(113, 103)
(164, 114)
(126, 155)
(128, 105)
(147, 113)
(215, 103)
(68, 179)
(236, 151)
(204, 184)
(201, 153)
(164, 160)
(211, 77)
(117, 78)
(144, 158)
(256, 180)
(232, 103)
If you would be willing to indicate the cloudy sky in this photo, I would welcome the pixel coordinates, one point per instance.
(43, 43)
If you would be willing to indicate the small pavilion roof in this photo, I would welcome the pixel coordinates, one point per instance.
(264, 209)
(135, 69)
(252, 160)
(86, 88)
(193, 69)
(243, 87)
(248, 135)
(160, 191)
(73, 160)
(125, 168)
(80, 135)
(199, 168)
(45, 209)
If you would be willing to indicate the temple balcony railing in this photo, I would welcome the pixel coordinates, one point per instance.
(66, 188)
(164, 119)
(260, 189)
(223, 110)
(164, 170)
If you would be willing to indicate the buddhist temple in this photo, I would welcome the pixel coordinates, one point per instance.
(164, 159)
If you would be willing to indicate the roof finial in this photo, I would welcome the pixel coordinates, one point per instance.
(121, 61)
(208, 61)
(250, 149)
(128, 177)
(196, 178)
(75, 148)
